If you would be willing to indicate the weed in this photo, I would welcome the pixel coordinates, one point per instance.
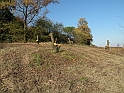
(83, 79)
(37, 59)
(31, 65)
(15, 66)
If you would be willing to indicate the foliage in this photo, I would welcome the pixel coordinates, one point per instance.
(41, 32)
(29, 9)
(58, 32)
(6, 3)
(83, 33)
(5, 17)
(45, 26)
(10, 27)
(16, 29)
(82, 21)
(69, 31)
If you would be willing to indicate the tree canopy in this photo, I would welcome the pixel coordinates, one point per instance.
(29, 9)
(6, 3)
(82, 34)
(10, 26)
(17, 29)
(69, 31)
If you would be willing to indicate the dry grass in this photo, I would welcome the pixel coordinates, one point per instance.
(33, 68)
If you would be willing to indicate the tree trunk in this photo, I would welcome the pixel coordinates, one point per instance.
(25, 26)
(25, 33)
(52, 39)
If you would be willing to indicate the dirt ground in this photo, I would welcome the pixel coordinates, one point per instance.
(33, 68)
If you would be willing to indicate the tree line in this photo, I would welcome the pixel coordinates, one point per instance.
(16, 28)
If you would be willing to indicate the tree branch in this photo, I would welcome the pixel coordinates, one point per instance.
(31, 19)
(121, 25)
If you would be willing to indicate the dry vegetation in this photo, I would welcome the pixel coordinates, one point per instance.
(33, 68)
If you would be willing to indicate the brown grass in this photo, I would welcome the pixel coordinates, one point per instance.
(33, 68)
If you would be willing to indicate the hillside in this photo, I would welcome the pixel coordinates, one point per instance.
(33, 68)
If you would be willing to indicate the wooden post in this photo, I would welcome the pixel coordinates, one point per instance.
(37, 40)
(108, 42)
(107, 46)
(118, 46)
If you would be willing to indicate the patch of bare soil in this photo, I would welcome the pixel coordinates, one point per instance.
(33, 68)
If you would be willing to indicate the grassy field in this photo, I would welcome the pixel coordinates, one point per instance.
(33, 68)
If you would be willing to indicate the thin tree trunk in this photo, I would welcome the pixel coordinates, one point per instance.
(52, 39)
(25, 33)
(25, 26)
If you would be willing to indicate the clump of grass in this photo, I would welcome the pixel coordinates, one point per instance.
(38, 60)
(83, 79)
(69, 55)
(15, 66)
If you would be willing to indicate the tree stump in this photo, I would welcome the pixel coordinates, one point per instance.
(37, 40)
(54, 44)
(69, 41)
(107, 46)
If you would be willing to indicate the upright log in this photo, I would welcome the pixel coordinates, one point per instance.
(70, 42)
(37, 40)
(107, 46)
(52, 39)
(54, 44)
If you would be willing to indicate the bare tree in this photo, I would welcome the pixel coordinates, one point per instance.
(29, 9)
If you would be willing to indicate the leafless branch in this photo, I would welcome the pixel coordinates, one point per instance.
(121, 25)
(121, 18)
(122, 32)
(31, 19)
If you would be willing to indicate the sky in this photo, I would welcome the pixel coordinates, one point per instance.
(104, 18)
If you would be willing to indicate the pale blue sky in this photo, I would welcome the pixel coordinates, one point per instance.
(102, 16)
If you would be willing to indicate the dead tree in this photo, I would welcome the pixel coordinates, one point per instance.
(107, 46)
(54, 44)
(70, 41)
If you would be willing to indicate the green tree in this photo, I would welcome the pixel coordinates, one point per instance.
(69, 31)
(5, 17)
(16, 29)
(82, 34)
(44, 26)
(29, 9)
(57, 31)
